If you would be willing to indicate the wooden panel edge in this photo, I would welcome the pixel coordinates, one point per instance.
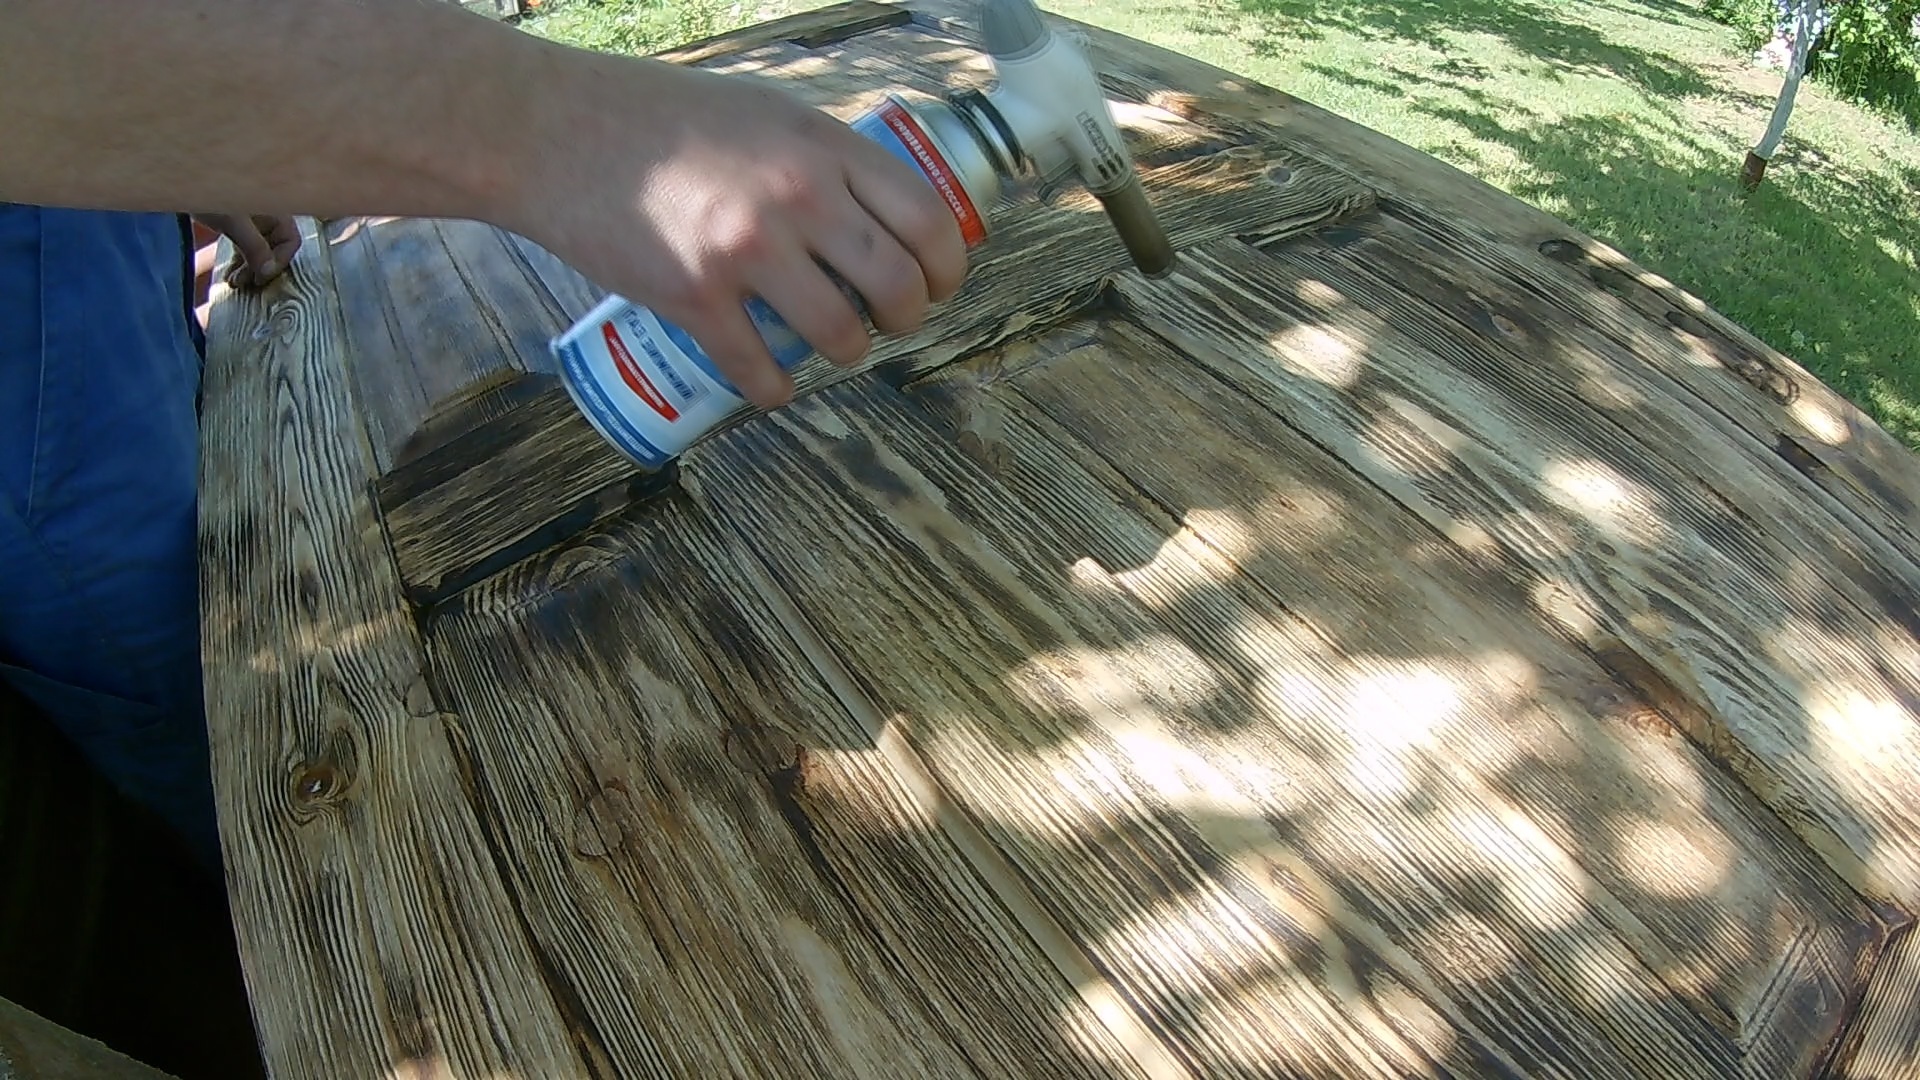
(987, 861)
(1196, 89)
(342, 971)
(1883, 1042)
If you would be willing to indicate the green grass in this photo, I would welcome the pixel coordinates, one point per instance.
(1626, 118)
(640, 26)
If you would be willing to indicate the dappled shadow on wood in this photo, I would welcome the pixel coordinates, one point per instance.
(1406, 642)
(1656, 175)
(1334, 724)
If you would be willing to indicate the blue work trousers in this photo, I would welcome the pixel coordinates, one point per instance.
(100, 365)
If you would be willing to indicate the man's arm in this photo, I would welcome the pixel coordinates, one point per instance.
(684, 190)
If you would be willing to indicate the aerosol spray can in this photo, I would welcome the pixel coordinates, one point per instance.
(651, 390)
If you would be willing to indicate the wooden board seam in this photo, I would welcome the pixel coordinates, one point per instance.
(586, 1038)
(1837, 1057)
(1672, 702)
(1008, 885)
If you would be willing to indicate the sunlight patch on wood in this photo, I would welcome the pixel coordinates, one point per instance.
(1410, 1012)
(845, 776)
(1600, 964)
(1313, 519)
(1668, 862)
(1410, 440)
(1077, 807)
(842, 1008)
(1541, 881)
(1608, 392)
(353, 228)
(1473, 539)
(1596, 490)
(1819, 421)
(1402, 712)
(437, 1068)
(1857, 724)
(322, 636)
(1209, 933)
(1170, 564)
(1227, 532)
(1106, 687)
(1168, 681)
(1141, 1049)
(1318, 354)
(1147, 121)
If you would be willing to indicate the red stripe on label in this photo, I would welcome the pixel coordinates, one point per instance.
(631, 374)
(914, 138)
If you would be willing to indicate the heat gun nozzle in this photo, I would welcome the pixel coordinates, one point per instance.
(1139, 228)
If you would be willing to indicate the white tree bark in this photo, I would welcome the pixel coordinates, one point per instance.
(1806, 19)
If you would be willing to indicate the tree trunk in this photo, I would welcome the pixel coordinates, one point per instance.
(1808, 20)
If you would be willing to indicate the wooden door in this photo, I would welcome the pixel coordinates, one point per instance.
(1411, 640)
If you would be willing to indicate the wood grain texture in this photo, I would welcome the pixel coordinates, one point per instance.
(1886, 1042)
(505, 489)
(944, 597)
(1437, 692)
(786, 904)
(1802, 691)
(440, 314)
(374, 930)
(1409, 641)
(530, 471)
(1727, 365)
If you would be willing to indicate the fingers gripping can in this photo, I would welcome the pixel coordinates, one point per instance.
(651, 391)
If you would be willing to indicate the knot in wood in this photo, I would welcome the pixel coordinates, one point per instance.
(1279, 175)
(282, 317)
(420, 699)
(1769, 380)
(317, 784)
(1564, 251)
(605, 823)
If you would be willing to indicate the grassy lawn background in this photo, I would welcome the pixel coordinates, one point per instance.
(1626, 118)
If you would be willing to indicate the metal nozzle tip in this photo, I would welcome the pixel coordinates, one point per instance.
(1139, 229)
(1010, 27)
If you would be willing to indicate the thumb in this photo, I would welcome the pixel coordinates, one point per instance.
(254, 248)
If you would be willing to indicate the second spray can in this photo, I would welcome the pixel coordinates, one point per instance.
(651, 391)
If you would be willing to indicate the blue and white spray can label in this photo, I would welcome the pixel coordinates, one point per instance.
(650, 390)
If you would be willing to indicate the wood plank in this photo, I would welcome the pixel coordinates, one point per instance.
(504, 490)
(539, 472)
(1885, 1043)
(1864, 464)
(1048, 703)
(1818, 722)
(667, 769)
(1104, 423)
(1427, 269)
(439, 314)
(1784, 413)
(375, 933)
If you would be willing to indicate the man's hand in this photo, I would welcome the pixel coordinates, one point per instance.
(684, 190)
(264, 245)
(736, 189)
